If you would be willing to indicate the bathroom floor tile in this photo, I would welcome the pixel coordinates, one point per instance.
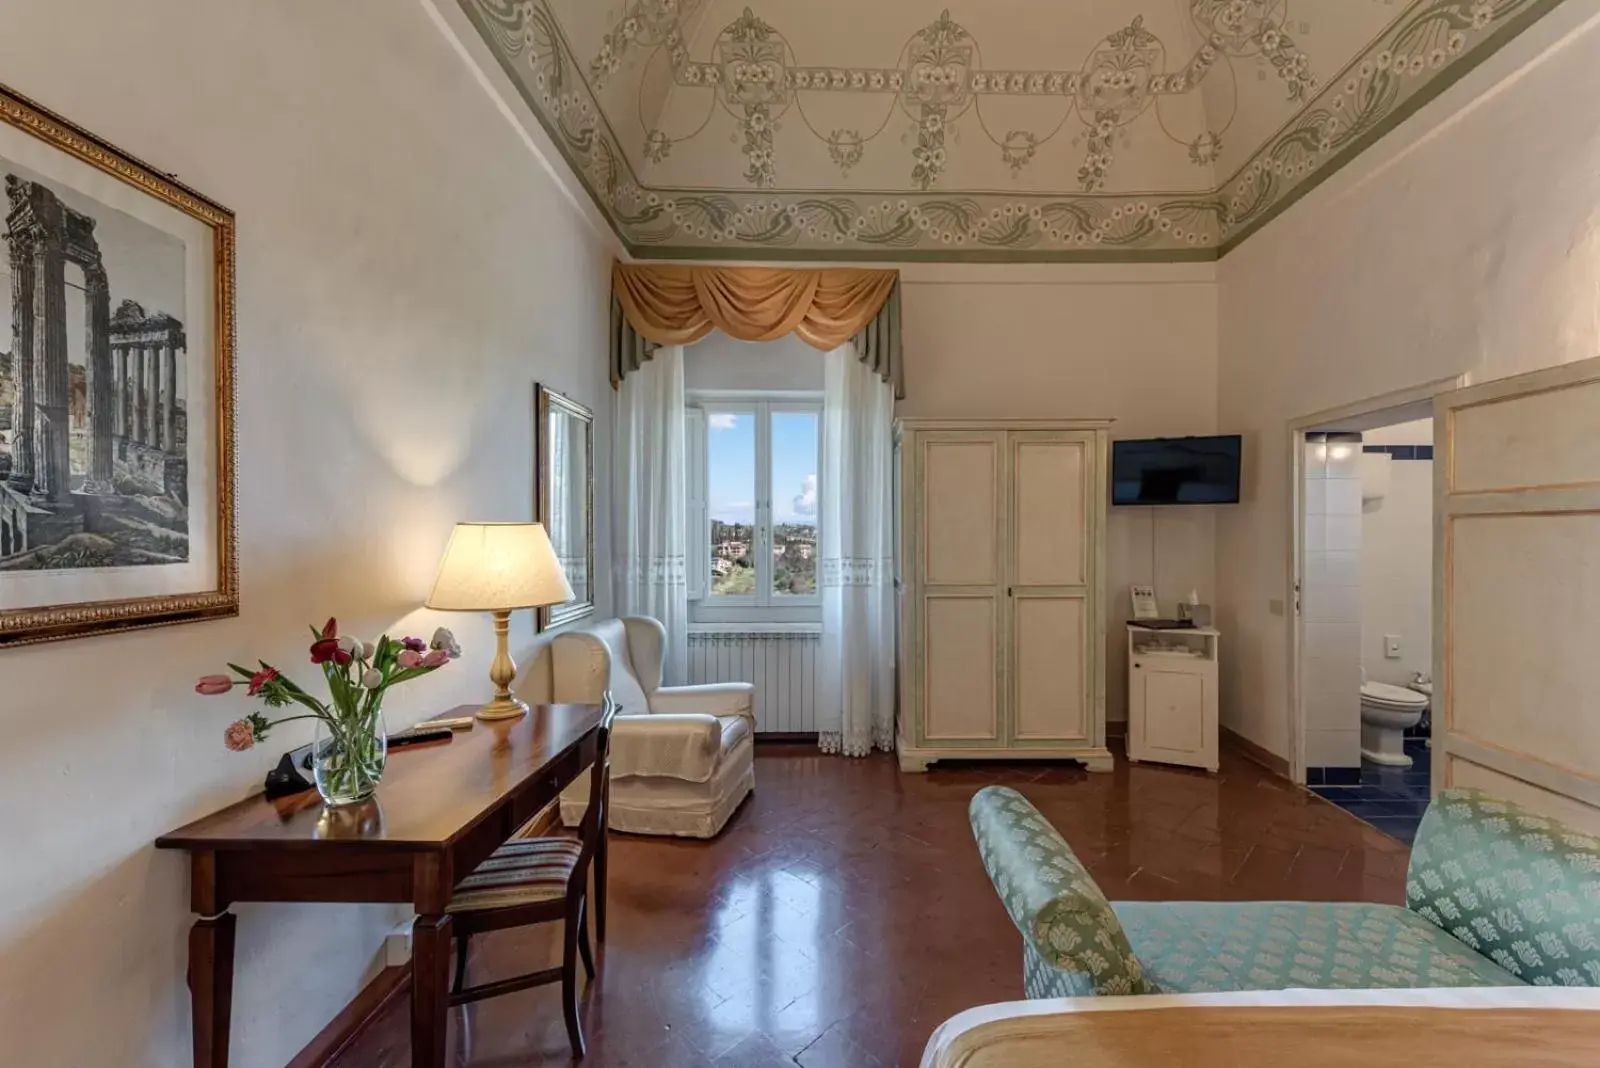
(1392, 800)
(1402, 828)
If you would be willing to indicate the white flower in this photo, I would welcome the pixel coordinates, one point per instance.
(348, 644)
(444, 640)
(368, 650)
(372, 678)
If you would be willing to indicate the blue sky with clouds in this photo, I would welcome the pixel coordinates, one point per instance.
(731, 487)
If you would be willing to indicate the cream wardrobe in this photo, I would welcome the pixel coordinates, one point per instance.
(1002, 601)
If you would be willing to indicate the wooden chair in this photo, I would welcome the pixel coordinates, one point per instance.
(540, 880)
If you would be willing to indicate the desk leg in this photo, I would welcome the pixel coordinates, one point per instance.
(600, 851)
(430, 989)
(211, 988)
(601, 856)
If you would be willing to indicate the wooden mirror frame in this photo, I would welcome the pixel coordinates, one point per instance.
(548, 403)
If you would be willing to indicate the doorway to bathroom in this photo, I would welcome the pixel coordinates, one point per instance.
(1362, 625)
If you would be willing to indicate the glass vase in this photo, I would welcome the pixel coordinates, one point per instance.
(348, 759)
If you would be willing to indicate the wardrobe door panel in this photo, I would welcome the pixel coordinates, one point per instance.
(1052, 588)
(1049, 700)
(1050, 519)
(959, 594)
(960, 685)
(960, 510)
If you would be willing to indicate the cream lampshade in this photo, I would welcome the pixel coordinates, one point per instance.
(498, 568)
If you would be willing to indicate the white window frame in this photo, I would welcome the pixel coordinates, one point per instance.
(764, 606)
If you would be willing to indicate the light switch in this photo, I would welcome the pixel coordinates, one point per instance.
(1391, 646)
(1275, 606)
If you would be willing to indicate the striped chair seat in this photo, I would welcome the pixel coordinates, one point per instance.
(521, 872)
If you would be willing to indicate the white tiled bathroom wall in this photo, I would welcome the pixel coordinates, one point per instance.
(1331, 601)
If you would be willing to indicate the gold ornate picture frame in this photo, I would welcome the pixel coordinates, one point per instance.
(564, 496)
(117, 414)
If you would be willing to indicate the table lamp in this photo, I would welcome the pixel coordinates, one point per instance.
(498, 568)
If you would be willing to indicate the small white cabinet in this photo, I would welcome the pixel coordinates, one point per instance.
(1172, 696)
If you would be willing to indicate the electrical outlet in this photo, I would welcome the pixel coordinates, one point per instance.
(1391, 646)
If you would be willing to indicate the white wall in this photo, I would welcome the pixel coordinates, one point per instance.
(1416, 432)
(718, 361)
(406, 271)
(1468, 240)
(1397, 560)
(1135, 343)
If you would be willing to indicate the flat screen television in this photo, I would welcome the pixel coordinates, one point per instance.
(1176, 471)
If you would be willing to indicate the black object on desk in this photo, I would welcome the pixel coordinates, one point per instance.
(293, 773)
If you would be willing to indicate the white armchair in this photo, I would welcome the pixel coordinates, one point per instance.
(682, 757)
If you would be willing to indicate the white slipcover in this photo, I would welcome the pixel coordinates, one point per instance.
(682, 757)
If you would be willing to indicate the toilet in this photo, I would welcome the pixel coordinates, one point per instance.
(1387, 712)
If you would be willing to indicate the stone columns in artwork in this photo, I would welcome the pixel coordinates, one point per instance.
(169, 395)
(51, 431)
(149, 344)
(22, 323)
(45, 235)
(157, 388)
(119, 391)
(141, 395)
(100, 381)
(152, 388)
(130, 364)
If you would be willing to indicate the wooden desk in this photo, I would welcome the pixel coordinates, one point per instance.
(440, 810)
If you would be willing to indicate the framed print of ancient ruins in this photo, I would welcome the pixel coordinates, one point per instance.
(116, 389)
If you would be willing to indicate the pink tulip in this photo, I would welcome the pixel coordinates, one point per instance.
(436, 658)
(212, 685)
(410, 660)
(239, 736)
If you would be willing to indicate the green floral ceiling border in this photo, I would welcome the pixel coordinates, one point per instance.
(1427, 48)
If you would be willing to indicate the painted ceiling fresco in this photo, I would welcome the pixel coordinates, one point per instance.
(989, 130)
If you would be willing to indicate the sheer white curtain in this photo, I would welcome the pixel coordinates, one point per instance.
(855, 714)
(650, 492)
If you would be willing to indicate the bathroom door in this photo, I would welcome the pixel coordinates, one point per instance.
(1517, 590)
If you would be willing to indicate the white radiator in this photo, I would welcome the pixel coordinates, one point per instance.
(782, 666)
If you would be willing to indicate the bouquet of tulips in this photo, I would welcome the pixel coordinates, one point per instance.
(350, 745)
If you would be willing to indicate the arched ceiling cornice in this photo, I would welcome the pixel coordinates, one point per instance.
(989, 130)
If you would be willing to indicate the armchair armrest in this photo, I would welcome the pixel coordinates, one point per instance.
(712, 698)
(1063, 916)
(683, 746)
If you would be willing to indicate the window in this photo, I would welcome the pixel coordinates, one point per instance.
(753, 463)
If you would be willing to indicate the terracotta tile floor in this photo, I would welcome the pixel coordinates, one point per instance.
(843, 914)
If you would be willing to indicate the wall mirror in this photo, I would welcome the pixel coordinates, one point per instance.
(564, 496)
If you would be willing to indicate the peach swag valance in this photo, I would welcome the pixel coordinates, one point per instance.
(675, 305)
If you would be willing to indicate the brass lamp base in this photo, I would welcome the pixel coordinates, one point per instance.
(502, 708)
(502, 670)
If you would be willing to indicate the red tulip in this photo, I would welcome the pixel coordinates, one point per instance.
(330, 629)
(212, 685)
(325, 649)
(260, 679)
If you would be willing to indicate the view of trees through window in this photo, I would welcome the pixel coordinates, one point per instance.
(734, 490)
